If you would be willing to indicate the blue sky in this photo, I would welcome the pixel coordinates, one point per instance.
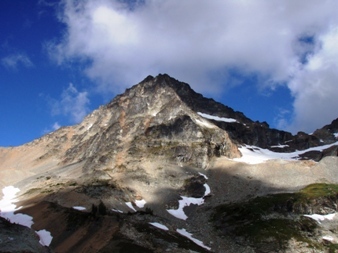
(275, 61)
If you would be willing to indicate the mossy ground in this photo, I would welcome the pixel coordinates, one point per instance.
(274, 218)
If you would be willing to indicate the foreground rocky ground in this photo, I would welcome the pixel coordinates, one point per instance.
(224, 222)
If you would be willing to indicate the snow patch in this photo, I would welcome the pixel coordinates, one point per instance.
(207, 116)
(279, 146)
(207, 190)
(9, 193)
(328, 238)
(7, 209)
(203, 175)
(335, 135)
(140, 203)
(203, 123)
(116, 210)
(187, 201)
(80, 208)
(189, 236)
(159, 225)
(45, 237)
(319, 217)
(130, 205)
(255, 155)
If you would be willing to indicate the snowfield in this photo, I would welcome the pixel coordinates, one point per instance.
(7, 209)
(255, 155)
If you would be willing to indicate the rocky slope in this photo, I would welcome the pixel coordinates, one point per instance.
(164, 144)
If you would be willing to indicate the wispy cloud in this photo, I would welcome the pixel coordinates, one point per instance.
(13, 61)
(52, 128)
(72, 104)
(283, 42)
(56, 126)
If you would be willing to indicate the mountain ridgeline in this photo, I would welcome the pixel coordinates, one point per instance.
(159, 117)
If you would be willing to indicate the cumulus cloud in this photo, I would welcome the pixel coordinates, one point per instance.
(14, 60)
(73, 104)
(315, 86)
(198, 41)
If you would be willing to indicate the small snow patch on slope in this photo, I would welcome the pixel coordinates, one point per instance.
(189, 235)
(319, 217)
(187, 201)
(216, 118)
(45, 237)
(328, 238)
(79, 208)
(158, 225)
(140, 203)
(203, 175)
(279, 146)
(130, 205)
(204, 123)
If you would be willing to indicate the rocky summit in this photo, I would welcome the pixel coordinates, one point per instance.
(161, 168)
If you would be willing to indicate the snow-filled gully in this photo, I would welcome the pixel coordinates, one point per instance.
(7, 209)
(187, 201)
(180, 214)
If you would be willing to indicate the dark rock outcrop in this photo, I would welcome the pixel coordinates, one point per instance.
(15, 238)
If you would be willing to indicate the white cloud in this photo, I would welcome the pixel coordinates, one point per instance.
(56, 126)
(315, 86)
(14, 60)
(194, 39)
(73, 104)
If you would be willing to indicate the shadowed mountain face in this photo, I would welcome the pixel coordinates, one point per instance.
(164, 144)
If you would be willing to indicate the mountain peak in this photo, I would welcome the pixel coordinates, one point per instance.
(156, 117)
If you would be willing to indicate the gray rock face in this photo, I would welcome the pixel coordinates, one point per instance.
(150, 118)
(246, 131)
(16, 238)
